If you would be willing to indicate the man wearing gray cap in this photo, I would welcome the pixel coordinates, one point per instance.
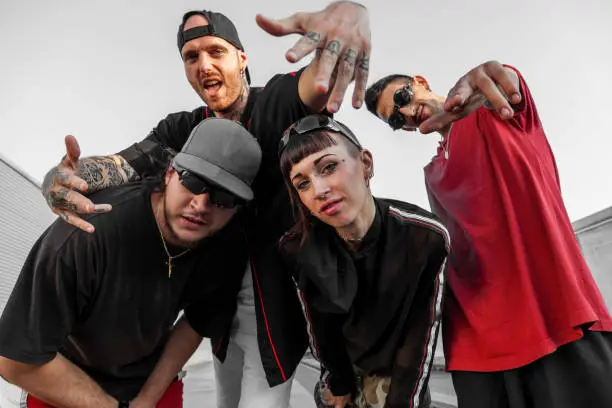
(91, 314)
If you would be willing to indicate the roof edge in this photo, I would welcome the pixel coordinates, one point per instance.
(593, 221)
(20, 171)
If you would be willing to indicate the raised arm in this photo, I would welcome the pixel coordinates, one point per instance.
(64, 184)
(340, 35)
(491, 84)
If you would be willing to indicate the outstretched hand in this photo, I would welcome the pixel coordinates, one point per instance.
(490, 83)
(341, 34)
(61, 188)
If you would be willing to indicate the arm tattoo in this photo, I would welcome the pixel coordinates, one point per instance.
(105, 171)
(333, 47)
(350, 56)
(364, 62)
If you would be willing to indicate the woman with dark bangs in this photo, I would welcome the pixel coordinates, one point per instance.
(369, 271)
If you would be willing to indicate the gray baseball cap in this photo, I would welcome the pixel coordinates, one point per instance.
(223, 152)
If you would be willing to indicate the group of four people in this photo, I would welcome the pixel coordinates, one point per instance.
(265, 180)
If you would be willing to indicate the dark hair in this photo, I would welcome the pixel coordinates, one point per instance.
(374, 91)
(298, 147)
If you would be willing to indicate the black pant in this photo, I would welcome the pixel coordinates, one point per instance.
(576, 375)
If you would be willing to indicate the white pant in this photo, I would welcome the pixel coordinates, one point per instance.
(241, 380)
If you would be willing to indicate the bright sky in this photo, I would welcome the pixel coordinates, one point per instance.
(108, 71)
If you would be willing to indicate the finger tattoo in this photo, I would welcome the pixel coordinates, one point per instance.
(59, 199)
(333, 47)
(63, 178)
(313, 36)
(364, 62)
(350, 56)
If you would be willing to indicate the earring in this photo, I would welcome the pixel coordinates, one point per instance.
(367, 180)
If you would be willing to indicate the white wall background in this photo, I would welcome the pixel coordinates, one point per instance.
(108, 71)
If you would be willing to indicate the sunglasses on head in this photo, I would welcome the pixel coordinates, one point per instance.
(401, 97)
(197, 185)
(316, 122)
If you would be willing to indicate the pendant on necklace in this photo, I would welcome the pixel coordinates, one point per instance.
(169, 268)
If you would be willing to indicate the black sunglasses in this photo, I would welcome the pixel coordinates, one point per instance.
(401, 97)
(315, 122)
(218, 196)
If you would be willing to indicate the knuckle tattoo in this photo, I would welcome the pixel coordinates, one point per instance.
(350, 57)
(364, 62)
(333, 47)
(313, 37)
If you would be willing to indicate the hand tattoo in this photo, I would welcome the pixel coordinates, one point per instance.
(333, 47)
(364, 62)
(59, 199)
(350, 56)
(313, 37)
(48, 182)
(105, 171)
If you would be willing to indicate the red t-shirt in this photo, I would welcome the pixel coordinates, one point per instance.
(519, 286)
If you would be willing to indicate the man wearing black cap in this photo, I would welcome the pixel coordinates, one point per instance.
(91, 314)
(269, 337)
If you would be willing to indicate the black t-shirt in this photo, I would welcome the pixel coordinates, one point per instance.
(105, 300)
(269, 111)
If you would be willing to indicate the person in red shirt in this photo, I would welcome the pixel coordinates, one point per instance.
(524, 323)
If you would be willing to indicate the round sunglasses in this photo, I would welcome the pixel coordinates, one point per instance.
(402, 97)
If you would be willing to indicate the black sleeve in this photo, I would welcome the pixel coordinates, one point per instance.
(277, 108)
(48, 299)
(328, 346)
(150, 156)
(414, 357)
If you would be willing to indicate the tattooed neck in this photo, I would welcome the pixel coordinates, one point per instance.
(234, 112)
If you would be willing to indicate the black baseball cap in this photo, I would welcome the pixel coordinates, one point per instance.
(218, 26)
(223, 152)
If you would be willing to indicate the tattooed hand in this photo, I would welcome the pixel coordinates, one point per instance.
(342, 34)
(60, 189)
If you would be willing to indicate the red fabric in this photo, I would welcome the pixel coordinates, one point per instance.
(172, 398)
(519, 286)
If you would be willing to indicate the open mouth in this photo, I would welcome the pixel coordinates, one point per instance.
(212, 85)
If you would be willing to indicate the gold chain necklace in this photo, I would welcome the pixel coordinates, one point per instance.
(170, 257)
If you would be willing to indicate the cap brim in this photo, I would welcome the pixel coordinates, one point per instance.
(214, 174)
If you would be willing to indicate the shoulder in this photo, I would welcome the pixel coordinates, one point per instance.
(187, 119)
(284, 78)
(401, 214)
(129, 204)
(281, 85)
